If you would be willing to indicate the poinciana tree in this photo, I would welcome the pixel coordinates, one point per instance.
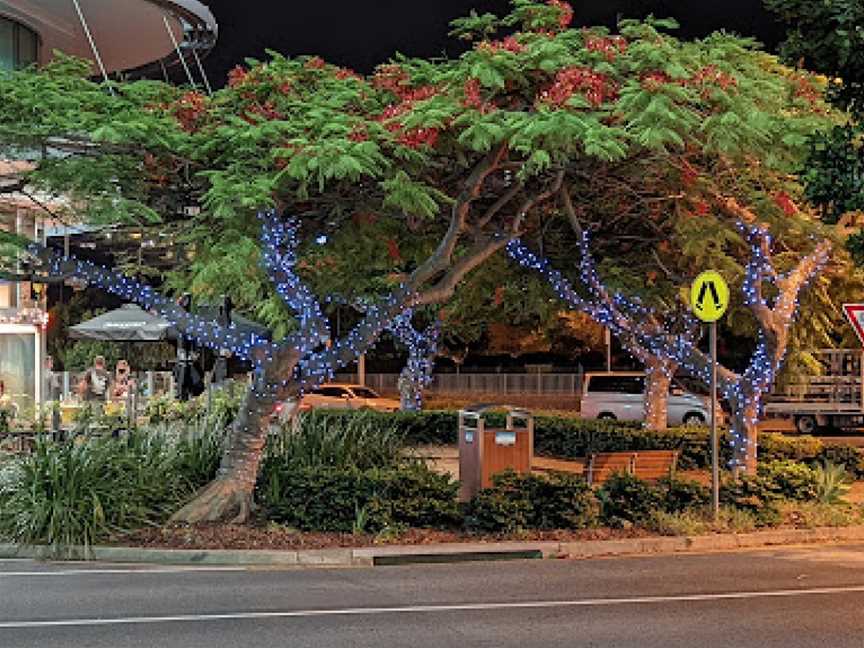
(465, 154)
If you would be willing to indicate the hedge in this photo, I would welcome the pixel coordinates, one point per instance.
(351, 500)
(571, 438)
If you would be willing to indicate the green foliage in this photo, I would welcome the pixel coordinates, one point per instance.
(223, 407)
(761, 494)
(827, 37)
(850, 458)
(351, 500)
(681, 495)
(627, 499)
(575, 438)
(360, 442)
(82, 493)
(831, 483)
(789, 480)
(518, 502)
(337, 474)
(80, 354)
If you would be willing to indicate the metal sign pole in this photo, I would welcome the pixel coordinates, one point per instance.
(715, 441)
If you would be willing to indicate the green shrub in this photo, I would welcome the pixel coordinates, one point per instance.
(761, 495)
(681, 495)
(570, 438)
(221, 406)
(625, 498)
(83, 493)
(789, 480)
(350, 499)
(832, 482)
(516, 502)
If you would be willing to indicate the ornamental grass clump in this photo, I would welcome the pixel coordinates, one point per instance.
(361, 442)
(85, 492)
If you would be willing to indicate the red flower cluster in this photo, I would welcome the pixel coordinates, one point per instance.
(345, 73)
(393, 78)
(710, 75)
(566, 16)
(417, 137)
(315, 63)
(267, 110)
(595, 87)
(393, 250)
(396, 81)
(499, 295)
(237, 76)
(188, 110)
(652, 81)
(785, 202)
(358, 134)
(609, 47)
(509, 44)
(688, 174)
(804, 89)
(473, 98)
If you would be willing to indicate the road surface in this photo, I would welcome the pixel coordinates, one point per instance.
(789, 598)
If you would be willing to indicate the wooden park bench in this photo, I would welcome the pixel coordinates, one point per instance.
(649, 465)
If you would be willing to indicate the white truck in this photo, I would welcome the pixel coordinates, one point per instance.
(833, 399)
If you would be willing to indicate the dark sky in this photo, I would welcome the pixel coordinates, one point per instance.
(363, 33)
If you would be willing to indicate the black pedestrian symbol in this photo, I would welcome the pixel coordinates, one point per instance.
(709, 286)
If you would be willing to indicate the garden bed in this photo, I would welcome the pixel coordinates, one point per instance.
(273, 537)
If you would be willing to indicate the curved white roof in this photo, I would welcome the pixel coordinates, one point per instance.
(129, 34)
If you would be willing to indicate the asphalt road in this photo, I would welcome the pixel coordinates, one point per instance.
(787, 598)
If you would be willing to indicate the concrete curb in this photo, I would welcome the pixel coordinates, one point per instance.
(455, 552)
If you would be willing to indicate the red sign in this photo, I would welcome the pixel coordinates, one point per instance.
(855, 315)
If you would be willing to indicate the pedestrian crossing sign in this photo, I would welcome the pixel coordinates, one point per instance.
(709, 296)
(855, 315)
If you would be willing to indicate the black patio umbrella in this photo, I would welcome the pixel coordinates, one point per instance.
(129, 323)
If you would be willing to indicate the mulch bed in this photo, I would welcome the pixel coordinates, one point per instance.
(273, 537)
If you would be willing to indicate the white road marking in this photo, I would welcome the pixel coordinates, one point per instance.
(87, 572)
(433, 609)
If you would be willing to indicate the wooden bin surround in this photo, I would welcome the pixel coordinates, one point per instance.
(484, 452)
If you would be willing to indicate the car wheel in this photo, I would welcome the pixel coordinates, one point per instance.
(606, 416)
(694, 418)
(806, 424)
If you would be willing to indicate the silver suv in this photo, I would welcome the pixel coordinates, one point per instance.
(621, 396)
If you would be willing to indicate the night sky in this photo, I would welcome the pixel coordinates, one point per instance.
(362, 33)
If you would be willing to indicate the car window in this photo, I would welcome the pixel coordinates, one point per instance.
(617, 384)
(364, 392)
(335, 392)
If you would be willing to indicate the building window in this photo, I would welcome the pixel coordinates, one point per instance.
(19, 46)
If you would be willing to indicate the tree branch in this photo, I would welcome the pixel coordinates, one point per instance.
(204, 332)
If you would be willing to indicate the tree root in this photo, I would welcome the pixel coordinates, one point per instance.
(222, 500)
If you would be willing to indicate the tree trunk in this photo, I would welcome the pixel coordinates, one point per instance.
(658, 380)
(410, 391)
(230, 496)
(412, 382)
(745, 432)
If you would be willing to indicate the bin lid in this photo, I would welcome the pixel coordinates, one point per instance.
(482, 408)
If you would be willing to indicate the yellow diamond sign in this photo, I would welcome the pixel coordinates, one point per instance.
(709, 296)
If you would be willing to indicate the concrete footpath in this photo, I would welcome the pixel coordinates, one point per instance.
(441, 553)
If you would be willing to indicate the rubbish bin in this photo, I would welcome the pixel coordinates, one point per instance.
(486, 451)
